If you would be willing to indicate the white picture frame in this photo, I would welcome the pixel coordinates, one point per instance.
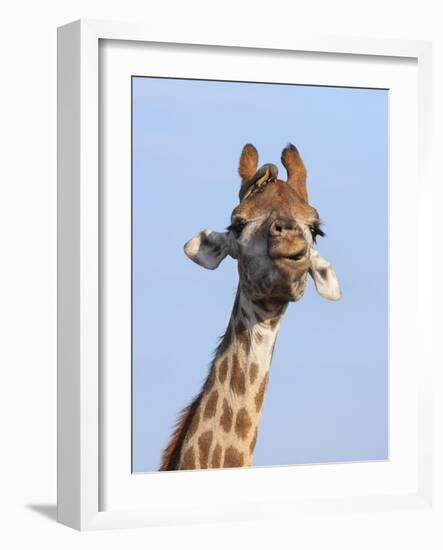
(96, 491)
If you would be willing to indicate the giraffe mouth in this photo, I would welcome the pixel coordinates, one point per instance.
(292, 259)
(295, 257)
(292, 266)
(288, 251)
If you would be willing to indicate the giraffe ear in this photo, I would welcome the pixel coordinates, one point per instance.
(324, 277)
(293, 163)
(208, 248)
(248, 163)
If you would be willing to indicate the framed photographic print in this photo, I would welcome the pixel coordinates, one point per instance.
(244, 316)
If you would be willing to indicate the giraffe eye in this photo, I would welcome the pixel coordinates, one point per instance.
(236, 227)
(316, 232)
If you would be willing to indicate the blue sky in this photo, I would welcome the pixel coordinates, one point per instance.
(327, 396)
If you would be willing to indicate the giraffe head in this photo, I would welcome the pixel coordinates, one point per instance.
(272, 233)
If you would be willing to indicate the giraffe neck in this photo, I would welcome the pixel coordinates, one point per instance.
(219, 429)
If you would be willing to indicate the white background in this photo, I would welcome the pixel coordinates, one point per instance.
(28, 270)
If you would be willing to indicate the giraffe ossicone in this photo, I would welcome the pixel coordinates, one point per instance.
(272, 236)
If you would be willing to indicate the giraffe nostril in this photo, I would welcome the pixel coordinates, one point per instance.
(280, 227)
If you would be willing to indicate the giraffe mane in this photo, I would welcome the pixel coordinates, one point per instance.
(171, 455)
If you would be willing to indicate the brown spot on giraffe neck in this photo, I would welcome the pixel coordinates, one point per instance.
(211, 405)
(261, 393)
(204, 445)
(238, 379)
(253, 372)
(223, 370)
(216, 456)
(233, 458)
(242, 423)
(226, 417)
(188, 460)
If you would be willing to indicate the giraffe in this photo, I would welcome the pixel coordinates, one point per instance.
(272, 236)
